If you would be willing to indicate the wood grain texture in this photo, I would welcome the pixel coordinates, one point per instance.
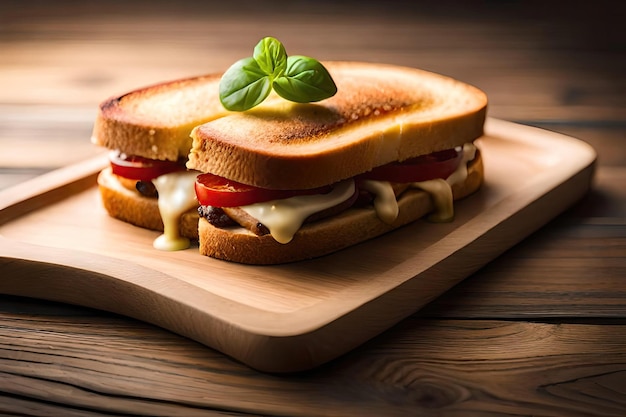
(540, 331)
(295, 316)
(127, 367)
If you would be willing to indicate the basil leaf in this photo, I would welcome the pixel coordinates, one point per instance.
(271, 56)
(244, 85)
(297, 78)
(305, 80)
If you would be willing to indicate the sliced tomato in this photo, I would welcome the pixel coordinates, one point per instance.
(140, 168)
(422, 168)
(213, 190)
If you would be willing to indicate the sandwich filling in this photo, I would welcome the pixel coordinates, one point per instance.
(281, 213)
(225, 203)
(167, 182)
(137, 173)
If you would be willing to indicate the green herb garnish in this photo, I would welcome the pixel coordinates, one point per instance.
(296, 78)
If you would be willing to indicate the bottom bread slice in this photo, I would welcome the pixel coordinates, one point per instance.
(131, 207)
(326, 236)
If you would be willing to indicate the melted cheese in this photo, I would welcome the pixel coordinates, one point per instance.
(460, 175)
(284, 217)
(440, 190)
(441, 194)
(385, 202)
(176, 196)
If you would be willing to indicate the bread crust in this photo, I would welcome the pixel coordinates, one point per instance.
(132, 207)
(326, 236)
(155, 122)
(380, 114)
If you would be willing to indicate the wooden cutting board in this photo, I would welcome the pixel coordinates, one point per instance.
(58, 243)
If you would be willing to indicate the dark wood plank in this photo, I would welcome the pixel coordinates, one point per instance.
(95, 363)
(533, 60)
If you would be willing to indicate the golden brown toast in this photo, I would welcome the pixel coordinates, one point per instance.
(329, 235)
(154, 122)
(380, 114)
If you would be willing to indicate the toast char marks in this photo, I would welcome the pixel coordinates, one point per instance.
(294, 124)
(155, 121)
(380, 114)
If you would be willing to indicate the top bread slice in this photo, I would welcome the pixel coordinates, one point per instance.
(154, 122)
(380, 114)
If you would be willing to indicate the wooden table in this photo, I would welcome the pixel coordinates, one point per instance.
(539, 331)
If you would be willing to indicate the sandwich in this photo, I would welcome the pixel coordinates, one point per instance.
(284, 181)
(147, 131)
(357, 150)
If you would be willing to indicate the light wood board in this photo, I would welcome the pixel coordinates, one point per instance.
(58, 243)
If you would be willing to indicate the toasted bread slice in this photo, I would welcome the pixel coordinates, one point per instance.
(380, 114)
(154, 122)
(326, 236)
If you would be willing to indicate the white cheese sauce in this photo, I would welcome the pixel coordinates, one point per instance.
(283, 218)
(385, 203)
(176, 196)
(460, 175)
(441, 193)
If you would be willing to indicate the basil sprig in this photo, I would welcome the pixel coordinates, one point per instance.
(296, 78)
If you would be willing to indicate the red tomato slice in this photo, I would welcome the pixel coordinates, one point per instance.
(422, 168)
(140, 168)
(213, 190)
